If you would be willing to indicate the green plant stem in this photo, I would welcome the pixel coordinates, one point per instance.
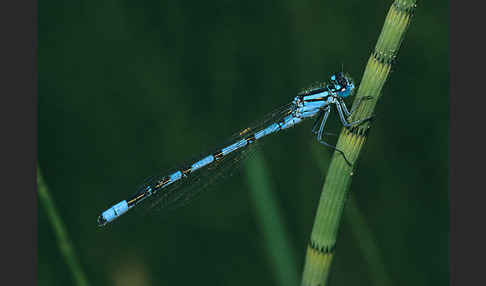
(269, 216)
(362, 233)
(322, 243)
(65, 245)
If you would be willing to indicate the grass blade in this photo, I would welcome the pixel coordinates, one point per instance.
(269, 216)
(65, 245)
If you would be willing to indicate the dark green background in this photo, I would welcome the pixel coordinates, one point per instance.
(128, 89)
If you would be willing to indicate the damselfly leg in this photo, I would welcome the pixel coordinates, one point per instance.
(345, 109)
(317, 122)
(321, 131)
(349, 124)
(342, 109)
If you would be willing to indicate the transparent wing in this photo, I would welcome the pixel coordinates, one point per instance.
(192, 187)
(185, 190)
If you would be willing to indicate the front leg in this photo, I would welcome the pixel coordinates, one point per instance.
(321, 132)
(345, 108)
(343, 120)
(318, 120)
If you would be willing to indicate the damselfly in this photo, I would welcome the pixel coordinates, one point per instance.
(174, 188)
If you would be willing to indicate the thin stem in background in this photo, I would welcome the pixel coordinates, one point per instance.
(64, 243)
(322, 243)
(366, 244)
(269, 216)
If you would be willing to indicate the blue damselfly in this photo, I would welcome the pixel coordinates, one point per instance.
(174, 188)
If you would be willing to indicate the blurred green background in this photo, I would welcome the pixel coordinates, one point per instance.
(128, 89)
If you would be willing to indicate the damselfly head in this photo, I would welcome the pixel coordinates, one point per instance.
(342, 84)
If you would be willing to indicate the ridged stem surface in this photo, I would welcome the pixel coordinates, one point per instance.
(322, 243)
